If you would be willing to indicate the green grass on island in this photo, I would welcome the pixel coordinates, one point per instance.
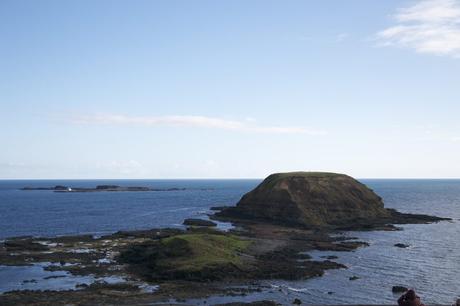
(208, 250)
(187, 256)
(272, 179)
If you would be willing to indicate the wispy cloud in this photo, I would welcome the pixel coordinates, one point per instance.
(341, 37)
(192, 121)
(428, 26)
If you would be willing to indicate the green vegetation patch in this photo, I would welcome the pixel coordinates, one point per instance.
(272, 179)
(208, 250)
(193, 256)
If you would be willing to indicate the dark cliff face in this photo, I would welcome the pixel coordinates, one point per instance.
(310, 199)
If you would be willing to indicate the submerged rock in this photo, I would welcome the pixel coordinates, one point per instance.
(198, 222)
(399, 289)
(330, 257)
(256, 303)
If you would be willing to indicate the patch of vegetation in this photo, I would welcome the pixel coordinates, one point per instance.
(272, 179)
(209, 250)
(193, 256)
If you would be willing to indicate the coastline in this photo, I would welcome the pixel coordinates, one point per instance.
(85, 255)
(292, 240)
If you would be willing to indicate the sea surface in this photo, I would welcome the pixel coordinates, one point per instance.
(431, 264)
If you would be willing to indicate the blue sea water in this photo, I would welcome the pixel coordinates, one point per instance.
(430, 264)
(48, 213)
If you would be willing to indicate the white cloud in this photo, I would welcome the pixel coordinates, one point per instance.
(341, 37)
(429, 26)
(192, 121)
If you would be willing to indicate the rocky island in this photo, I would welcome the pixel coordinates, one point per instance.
(100, 188)
(317, 200)
(277, 224)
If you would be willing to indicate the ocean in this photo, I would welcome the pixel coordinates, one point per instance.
(430, 264)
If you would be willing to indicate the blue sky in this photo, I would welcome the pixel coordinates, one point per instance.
(229, 89)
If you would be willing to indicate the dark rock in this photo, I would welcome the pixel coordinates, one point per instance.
(198, 222)
(60, 187)
(403, 218)
(399, 289)
(401, 245)
(27, 244)
(135, 189)
(107, 187)
(57, 187)
(257, 303)
(218, 208)
(340, 247)
(54, 276)
(297, 302)
(303, 257)
(330, 257)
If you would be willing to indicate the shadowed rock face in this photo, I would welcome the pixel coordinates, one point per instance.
(311, 199)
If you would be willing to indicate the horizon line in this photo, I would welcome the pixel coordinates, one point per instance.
(222, 178)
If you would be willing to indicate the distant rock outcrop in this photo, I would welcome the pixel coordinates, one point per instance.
(399, 289)
(315, 199)
(198, 222)
(100, 188)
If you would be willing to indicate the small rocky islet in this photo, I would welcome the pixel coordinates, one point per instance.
(100, 188)
(276, 225)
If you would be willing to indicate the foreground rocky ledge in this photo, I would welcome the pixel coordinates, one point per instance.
(185, 264)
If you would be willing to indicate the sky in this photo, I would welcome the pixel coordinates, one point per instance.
(229, 89)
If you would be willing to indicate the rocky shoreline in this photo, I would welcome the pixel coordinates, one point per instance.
(201, 261)
(257, 256)
(161, 257)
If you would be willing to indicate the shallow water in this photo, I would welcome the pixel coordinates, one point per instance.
(429, 265)
(34, 277)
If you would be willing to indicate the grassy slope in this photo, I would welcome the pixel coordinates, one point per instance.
(271, 180)
(208, 250)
